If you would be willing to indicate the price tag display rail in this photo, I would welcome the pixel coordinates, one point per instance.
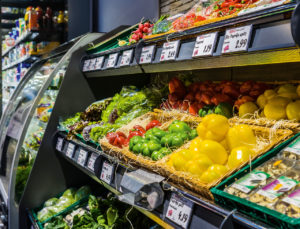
(204, 212)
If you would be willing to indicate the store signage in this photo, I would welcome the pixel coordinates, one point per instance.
(70, 150)
(82, 157)
(170, 50)
(86, 65)
(91, 162)
(112, 60)
(92, 64)
(180, 210)
(126, 57)
(237, 39)
(99, 63)
(107, 172)
(147, 54)
(205, 45)
(59, 144)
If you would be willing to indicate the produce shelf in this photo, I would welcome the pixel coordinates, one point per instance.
(205, 213)
(29, 59)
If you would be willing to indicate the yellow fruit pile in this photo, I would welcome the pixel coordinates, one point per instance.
(217, 149)
(282, 103)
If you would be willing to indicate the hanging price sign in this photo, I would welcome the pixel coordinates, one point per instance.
(147, 54)
(82, 157)
(99, 62)
(180, 210)
(59, 144)
(169, 51)
(205, 45)
(237, 39)
(126, 57)
(86, 65)
(107, 172)
(70, 150)
(92, 64)
(112, 60)
(91, 162)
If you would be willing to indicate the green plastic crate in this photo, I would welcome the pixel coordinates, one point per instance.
(256, 211)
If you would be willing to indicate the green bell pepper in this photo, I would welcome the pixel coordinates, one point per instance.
(158, 132)
(165, 151)
(153, 146)
(137, 148)
(166, 140)
(156, 155)
(177, 140)
(179, 126)
(193, 134)
(207, 109)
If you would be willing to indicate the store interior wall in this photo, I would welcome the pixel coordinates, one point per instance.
(113, 13)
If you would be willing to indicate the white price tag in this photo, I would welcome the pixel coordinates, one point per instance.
(59, 144)
(86, 65)
(169, 51)
(237, 39)
(70, 150)
(99, 62)
(112, 60)
(180, 210)
(91, 162)
(82, 157)
(147, 54)
(205, 45)
(92, 64)
(126, 57)
(107, 172)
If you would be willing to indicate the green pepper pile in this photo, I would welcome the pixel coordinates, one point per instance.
(223, 108)
(158, 143)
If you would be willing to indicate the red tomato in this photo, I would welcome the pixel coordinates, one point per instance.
(140, 35)
(145, 30)
(238, 5)
(135, 37)
(225, 4)
(141, 26)
(146, 24)
(152, 124)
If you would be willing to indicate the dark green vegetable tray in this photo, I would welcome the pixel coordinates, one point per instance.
(271, 217)
(63, 212)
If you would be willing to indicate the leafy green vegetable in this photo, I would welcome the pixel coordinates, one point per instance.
(82, 192)
(50, 202)
(72, 120)
(70, 192)
(112, 215)
(56, 223)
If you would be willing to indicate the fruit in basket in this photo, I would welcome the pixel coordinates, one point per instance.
(209, 176)
(198, 165)
(213, 127)
(214, 150)
(220, 169)
(178, 162)
(153, 124)
(179, 126)
(240, 135)
(195, 145)
(287, 88)
(276, 112)
(293, 110)
(224, 109)
(238, 155)
(269, 94)
(262, 101)
(279, 101)
(247, 109)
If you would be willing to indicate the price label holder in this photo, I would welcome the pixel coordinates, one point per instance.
(112, 60)
(86, 65)
(99, 62)
(91, 162)
(180, 210)
(92, 65)
(107, 172)
(59, 144)
(237, 39)
(147, 54)
(205, 45)
(82, 156)
(70, 150)
(170, 50)
(126, 58)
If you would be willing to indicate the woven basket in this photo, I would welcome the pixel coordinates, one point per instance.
(270, 136)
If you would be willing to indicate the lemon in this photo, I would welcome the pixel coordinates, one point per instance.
(275, 112)
(293, 110)
(239, 155)
(262, 101)
(287, 88)
(289, 95)
(269, 94)
(246, 109)
(214, 150)
(220, 169)
(198, 166)
(209, 176)
(195, 145)
(279, 101)
(185, 153)
(178, 162)
(240, 135)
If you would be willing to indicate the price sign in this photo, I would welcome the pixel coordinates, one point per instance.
(91, 162)
(180, 210)
(107, 172)
(205, 45)
(86, 65)
(92, 64)
(126, 57)
(169, 51)
(59, 144)
(237, 39)
(147, 54)
(70, 150)
(99, 62)
(112, 60)
(82, 157)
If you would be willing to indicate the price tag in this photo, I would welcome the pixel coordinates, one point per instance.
(86, 65)
(126, 57)
(59, 144)
(82, 157)
(70, 150)
(92, 64)
(205, 45)
(169, 51)
(237, 39)
(147, 54)
(112, 60)
(180, 210)
(99, 62)
(91, 162)
(107, 172)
